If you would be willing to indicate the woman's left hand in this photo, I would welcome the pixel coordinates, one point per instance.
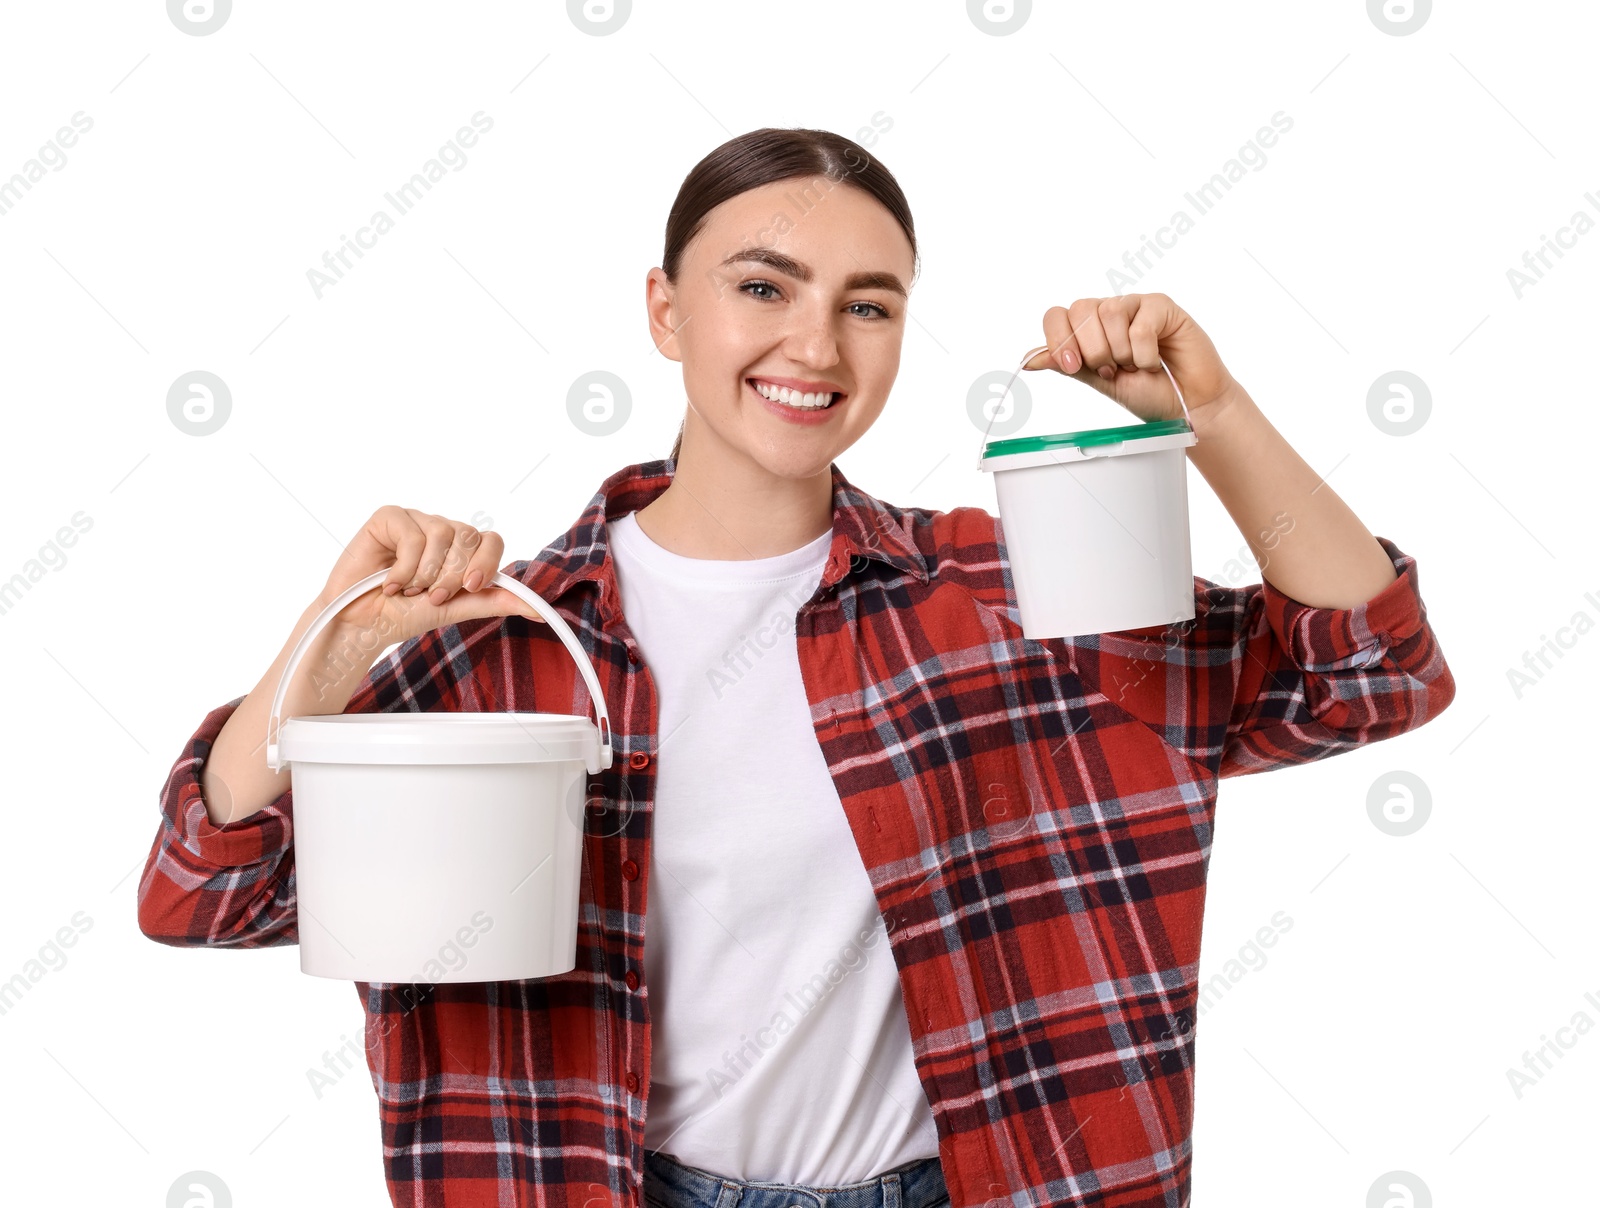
(1117, 345)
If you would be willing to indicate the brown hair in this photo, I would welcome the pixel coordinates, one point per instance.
(762, 157)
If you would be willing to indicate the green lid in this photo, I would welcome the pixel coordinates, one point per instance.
(1085, 439)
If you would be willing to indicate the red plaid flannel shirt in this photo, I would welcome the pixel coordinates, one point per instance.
(1035, 818)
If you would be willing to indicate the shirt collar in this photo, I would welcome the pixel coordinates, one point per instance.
(862, 526)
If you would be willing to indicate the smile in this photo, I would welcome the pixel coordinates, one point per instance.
(797, 399)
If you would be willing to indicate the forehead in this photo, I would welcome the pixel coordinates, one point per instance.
(826, 222)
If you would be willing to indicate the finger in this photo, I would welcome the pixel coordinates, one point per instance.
(485, 561)
(480, 598)
(438, 534)
(1063, 345)
(456, 561)
(1144, 333)
(1114, 316)
(1091, 336)
(399, 531)
(490, 602)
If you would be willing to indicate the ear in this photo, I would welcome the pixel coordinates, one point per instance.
(659, 299)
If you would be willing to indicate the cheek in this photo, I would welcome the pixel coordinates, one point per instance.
(727, 343)
(876, 374)
(713, 375)
(864, 416)
(719, 371)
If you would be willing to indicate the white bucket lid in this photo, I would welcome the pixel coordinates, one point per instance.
(437, 738)
(1062, 448)
(1066, 448)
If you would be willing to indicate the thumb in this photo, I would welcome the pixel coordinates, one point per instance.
(1089, 377)
(489, 602)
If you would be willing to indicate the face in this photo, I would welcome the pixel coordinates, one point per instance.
(798, 284)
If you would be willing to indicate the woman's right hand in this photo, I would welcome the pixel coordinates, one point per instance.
(437, 568)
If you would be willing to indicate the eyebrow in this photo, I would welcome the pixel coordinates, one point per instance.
(800, 272)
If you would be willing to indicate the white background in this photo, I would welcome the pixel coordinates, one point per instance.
(1378, 236)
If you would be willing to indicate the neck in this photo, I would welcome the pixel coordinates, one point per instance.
(731, 508)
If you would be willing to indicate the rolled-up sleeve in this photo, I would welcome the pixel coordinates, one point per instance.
(233, 886)
(1312, 682)
(220, 886)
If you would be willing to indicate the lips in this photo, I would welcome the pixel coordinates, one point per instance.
(802, 416)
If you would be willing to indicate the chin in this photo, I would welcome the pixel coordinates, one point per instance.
(793, 462)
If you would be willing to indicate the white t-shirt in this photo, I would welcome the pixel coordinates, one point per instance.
(780, 1050)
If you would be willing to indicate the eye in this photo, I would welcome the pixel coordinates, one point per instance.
(749, 288)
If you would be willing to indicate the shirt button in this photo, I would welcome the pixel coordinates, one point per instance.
(632, 1083)
(632, 979)
(633, 656)
(639, 759)
(630, 870)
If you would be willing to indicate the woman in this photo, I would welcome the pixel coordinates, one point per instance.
(925, 894)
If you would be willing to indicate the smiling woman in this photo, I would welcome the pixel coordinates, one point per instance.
(977, 859)
(793, 251)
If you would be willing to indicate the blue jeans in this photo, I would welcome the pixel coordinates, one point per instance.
(669, 1183)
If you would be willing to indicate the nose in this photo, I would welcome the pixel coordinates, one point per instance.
(810, 339)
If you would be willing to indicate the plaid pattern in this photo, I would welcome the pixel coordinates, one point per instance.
(1035, 818)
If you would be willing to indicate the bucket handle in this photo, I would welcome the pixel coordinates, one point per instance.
(1046, 348)
(516, 588)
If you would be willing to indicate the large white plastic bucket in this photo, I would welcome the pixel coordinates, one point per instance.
(1097, 535)
(439, 847)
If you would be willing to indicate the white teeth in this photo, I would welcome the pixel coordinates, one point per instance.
(793, 398)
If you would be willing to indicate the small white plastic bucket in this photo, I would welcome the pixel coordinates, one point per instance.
(1096, 526)
(442, 846)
